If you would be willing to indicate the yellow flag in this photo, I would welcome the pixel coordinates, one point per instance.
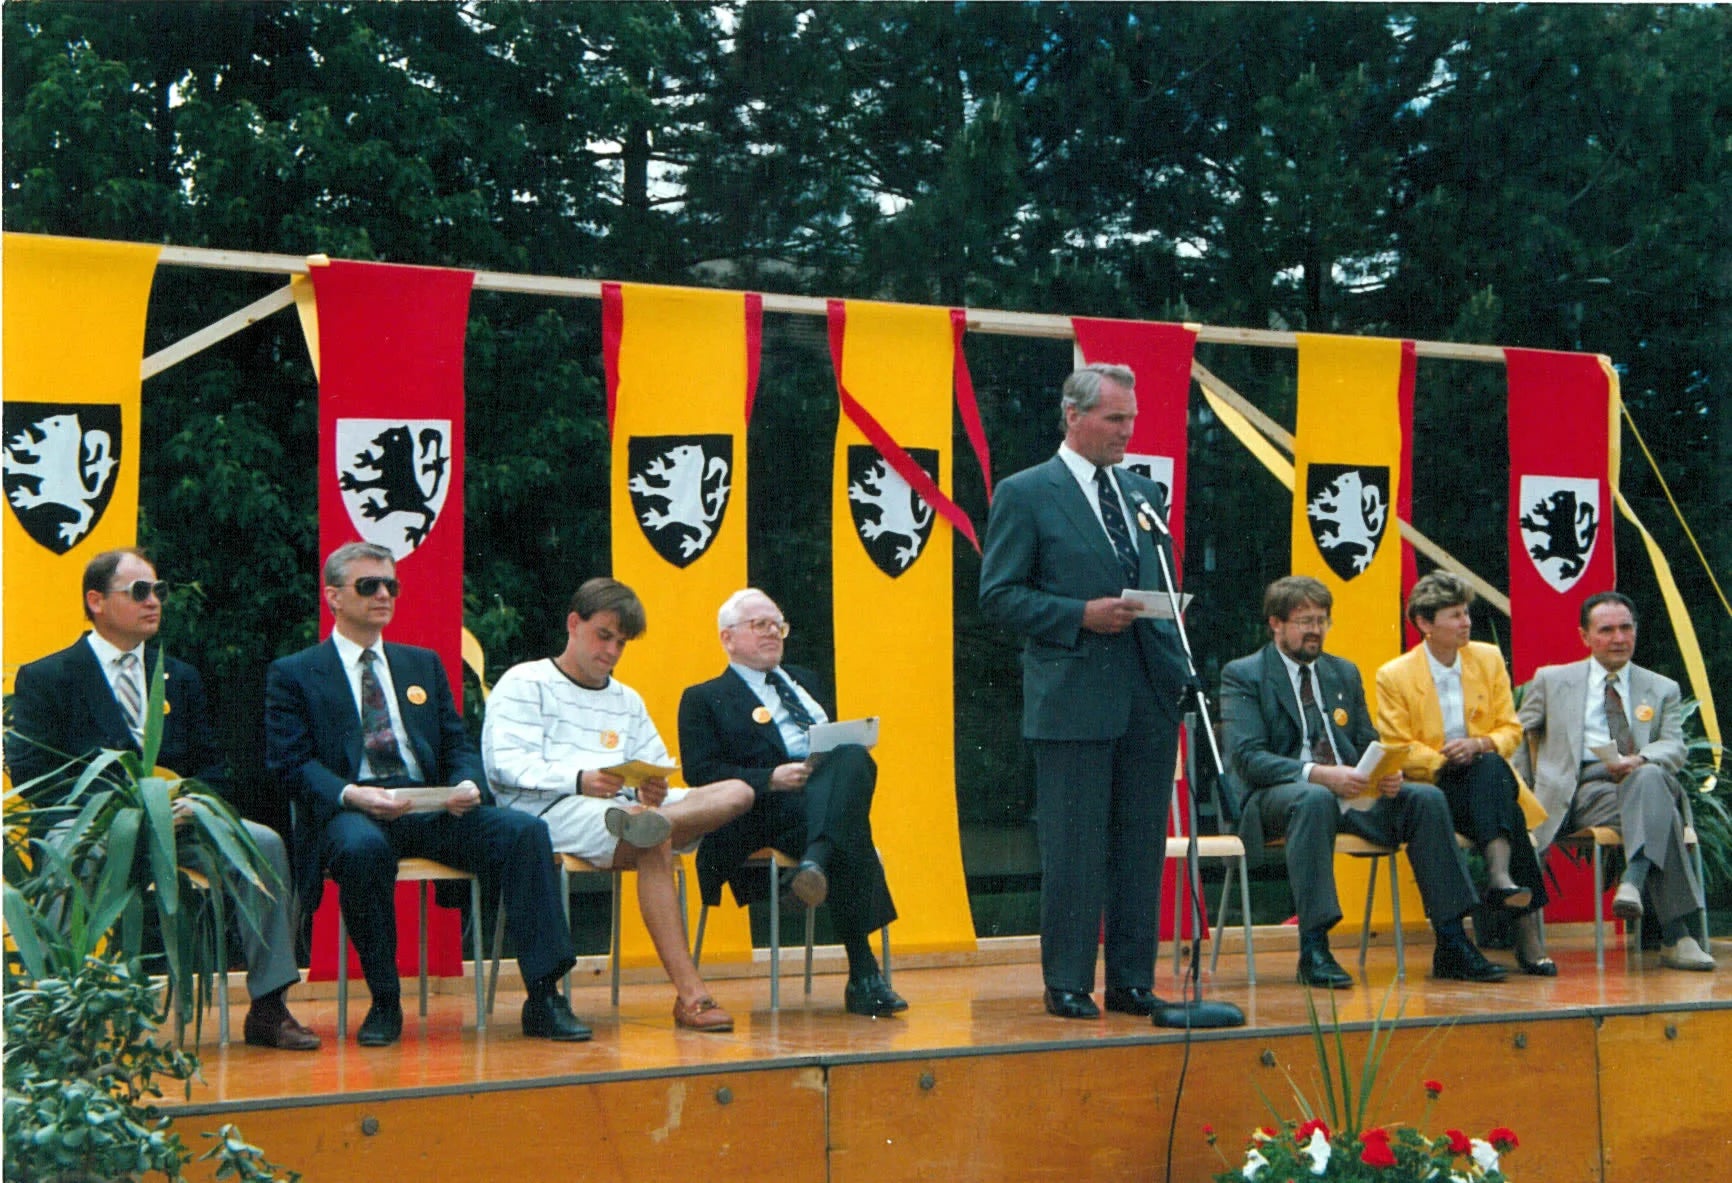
(893, 606)
(74, 338)
(681, 363)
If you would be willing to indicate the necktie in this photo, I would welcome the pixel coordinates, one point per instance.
(127, 692)
(1617, 722)
(1114, 519)
(1321, 750)
(790, 701)
(377, 737)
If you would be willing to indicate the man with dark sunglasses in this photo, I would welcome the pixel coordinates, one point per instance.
(92, 696)
(351, 719)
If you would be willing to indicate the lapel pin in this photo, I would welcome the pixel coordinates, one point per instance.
(1340, 717)
(415, 695)
(1143, 521)
(168, 706)
(610, 740)
(761, 715)
(1644, 713)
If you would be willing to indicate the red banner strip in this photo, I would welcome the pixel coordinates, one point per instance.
(967, 405)
(899, 460)
(612, 326)
(754, 349)
(1404, 499)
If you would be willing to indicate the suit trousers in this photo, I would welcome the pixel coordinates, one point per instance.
(1309, 816)
(829, 822)
(361, 855)
(269, 943)
(1101, 816)
(1485, 804)
(1645, 808)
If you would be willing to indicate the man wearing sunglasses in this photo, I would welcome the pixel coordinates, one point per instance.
(750, 724)
(92, 696)
(352, 718)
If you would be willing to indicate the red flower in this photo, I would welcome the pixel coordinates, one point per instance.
(1434, 1089)
(1458, 1142)
(1378, 1134)
(1209, 1133)
(1503, 1139)
(1305, 1131)
(1377, 1152)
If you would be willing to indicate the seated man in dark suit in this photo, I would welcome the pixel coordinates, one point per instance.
(352, 717)
(1296, 725)
(91, 695)
(750, 724)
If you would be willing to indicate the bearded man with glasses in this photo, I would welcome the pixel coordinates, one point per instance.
(352, 718)
(750, 724)
(92, 696)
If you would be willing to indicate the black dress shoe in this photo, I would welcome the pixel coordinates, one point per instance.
(1071, 1004)
(383, 1025)
(1318, 968)
(1132, 1000)
(549, 1017)
(872, 995)
(1459, 961)
(280, 1031)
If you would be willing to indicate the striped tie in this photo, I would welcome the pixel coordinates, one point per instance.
(127, 691)
(1113, 518)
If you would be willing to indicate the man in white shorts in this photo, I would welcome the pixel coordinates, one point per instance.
(554, 727)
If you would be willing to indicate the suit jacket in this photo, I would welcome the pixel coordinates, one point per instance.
(1551, 713)
(1264, 733)
(720, 740)
(63, 707)
(1408, 710)
(313, 739)
(1046, 555)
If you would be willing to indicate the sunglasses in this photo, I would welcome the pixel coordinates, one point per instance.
(142, 589)
(367, 586)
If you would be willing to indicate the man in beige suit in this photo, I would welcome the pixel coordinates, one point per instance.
(1606, 742)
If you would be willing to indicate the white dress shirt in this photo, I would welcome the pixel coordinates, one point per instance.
(1595, 730)
(1451, 699)
(1293, 668)
(1084, 472)
(794, 736)
(349, 654)
(108, 656)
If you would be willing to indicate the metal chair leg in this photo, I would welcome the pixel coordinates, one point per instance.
(810, 917)
(884, 943)
(421, 953)
(480, 955)
(1599, 914)
(613, 940)
(498, 946)
(342, 977)
(565, 904)
(1365, 928)
(775, 941)
(1395, 909)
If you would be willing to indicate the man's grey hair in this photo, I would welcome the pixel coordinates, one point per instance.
(1082, 390)
(337, 566)
(729, 614)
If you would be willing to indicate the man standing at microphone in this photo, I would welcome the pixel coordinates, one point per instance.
(1101, 690)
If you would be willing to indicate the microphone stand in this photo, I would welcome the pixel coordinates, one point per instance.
(1194, 1012)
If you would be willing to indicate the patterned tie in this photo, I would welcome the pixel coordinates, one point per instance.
(1617, 722)
(790, 701)
(380, 742)
(127, 692)
(1321, 751)
(1117, 530)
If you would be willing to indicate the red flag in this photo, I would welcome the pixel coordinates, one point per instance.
(391, 472)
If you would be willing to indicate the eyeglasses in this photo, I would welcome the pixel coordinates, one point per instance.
(766, 626)
(142, 589)
(367, 586)
(1309, 622)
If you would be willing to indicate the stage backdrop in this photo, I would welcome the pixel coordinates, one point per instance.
(74, 333)
(1160, 356)
(1351, 474)
(891, 541)
(682, 370)
(390, 366)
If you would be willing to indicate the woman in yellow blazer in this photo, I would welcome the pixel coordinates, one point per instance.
(1448, 699)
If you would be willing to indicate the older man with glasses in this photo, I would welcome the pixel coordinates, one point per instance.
(91, 696)
(751, 723)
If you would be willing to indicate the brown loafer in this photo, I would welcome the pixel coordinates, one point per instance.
(284, 1033)
(706, 1014)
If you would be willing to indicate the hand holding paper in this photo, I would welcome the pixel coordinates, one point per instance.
(634, 772)
(1156, 605)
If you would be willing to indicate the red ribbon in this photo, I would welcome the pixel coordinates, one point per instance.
(965, 401)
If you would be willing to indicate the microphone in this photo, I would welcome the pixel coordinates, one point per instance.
(1145, 511)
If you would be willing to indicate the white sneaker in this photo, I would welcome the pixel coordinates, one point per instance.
(1627, 904)
(1686, 954)
(644, 828)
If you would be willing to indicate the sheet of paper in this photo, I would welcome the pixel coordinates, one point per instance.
(635, 772)
(1605, 753)
(1156, 605)
(424, 798)
(827, 737)
(1378, 761)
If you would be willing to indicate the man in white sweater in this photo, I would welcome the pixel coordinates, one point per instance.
(553, 731)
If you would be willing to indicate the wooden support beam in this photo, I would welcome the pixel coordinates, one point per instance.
(228, 326)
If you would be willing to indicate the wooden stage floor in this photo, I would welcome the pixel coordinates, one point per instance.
(1623, 1075)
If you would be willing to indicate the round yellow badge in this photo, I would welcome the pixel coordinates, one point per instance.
(1645, 713)
(610, 739)
(761, 715)
(168, 706)
(1340, 716)
(415, 695)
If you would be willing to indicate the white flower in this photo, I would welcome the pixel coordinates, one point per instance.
(1484, 1157)
(1318, 1149)
(1254, 1164)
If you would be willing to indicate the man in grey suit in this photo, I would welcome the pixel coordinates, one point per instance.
(1296, 725)
(1603, 705)
(1101, 689)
